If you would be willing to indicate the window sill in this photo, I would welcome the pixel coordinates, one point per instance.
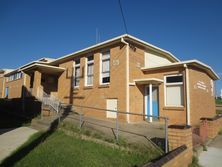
(181, 108)
(104, 86)
(88, 87)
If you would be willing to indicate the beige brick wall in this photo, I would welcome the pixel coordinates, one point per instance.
(137, 92)
(97, 94)
(65, 82)
(15, 88)
(1, 87)
(181, 160)
(202, 103)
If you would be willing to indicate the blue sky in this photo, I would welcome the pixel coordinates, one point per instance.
(31, 29)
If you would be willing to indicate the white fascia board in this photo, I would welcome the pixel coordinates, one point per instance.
(116, 39)
(43, 65)
(89, 48)
(182, 63)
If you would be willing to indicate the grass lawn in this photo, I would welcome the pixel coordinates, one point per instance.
(62, 150)
(218, 101)
(219, 111)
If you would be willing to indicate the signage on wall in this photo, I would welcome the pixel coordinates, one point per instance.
(116, 62)
(200, 85)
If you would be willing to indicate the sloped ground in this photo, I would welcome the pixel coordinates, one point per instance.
(11, 140)
(60, 149)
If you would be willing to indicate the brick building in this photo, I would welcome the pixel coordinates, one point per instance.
(125, 74)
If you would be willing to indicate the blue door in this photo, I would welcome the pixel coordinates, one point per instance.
(6, 92)
(155, 101)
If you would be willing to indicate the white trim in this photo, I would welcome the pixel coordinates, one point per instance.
(148, 80)
(172, 84)
(132, 84)
(182, 63)
(116, 39)
(74, 72)
(127, 83)
(101, 66)
(151, 101)
(146, 96)
(188, 94)
(86, 70)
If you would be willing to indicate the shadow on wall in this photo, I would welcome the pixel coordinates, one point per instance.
(21, 110)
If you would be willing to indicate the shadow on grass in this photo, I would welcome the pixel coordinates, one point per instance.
(34, 141)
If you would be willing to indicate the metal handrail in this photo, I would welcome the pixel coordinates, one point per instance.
(48, 99)
(166, 119)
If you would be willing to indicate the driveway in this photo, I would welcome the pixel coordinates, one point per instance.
(11, 140)
(213, 156)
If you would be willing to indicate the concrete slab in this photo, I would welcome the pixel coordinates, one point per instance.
(213, 156)
(11, 140)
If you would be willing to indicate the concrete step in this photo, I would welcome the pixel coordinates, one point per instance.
(43, 123)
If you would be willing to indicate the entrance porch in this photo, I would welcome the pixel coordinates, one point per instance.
(42, 80)
(150, 88)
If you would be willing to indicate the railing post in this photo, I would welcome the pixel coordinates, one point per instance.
(117, 126)
(80, 120)
(166, 135)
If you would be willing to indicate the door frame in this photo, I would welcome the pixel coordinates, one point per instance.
(107, 112)
(146, 99)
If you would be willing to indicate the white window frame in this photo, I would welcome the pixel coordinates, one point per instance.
(101, 66)
(87, 63)
(74, 73)
(172, 84)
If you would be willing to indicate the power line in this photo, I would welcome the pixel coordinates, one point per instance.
(124, 21)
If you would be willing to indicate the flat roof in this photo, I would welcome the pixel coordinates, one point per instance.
(148, 81)
(195, 63)
(44, 68)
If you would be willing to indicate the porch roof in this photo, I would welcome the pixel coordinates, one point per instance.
(148, 81)
(44, 68)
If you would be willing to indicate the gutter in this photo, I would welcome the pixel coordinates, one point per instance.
(127, 79)
(187, 93)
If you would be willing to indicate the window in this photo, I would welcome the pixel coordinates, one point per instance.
(105, 67)
(15, 76)
(77, 73)
(89, 71)
(174, 91)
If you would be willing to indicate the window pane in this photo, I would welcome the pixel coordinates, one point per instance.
(90, 69)
(105, 66)
(77, 72)
(90, 58)
(89, 80)
(106, 55)
(174, 79)
(174, 95)
(107, 74)
(106, 80)
(77, 61)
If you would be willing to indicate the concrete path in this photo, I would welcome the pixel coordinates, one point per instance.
(213, 156)
(11, 140)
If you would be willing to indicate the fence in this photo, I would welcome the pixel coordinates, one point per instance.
(145, 129)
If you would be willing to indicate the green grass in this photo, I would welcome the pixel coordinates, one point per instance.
(219, 111)
(195, 162)
(62, 150)
(218, 101)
